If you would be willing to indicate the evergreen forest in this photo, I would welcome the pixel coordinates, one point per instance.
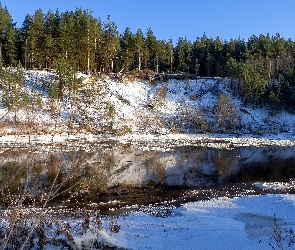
(261, 69)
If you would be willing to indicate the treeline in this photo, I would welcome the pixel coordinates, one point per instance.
(262, 69)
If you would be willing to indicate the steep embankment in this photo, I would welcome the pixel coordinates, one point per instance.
(120, 107)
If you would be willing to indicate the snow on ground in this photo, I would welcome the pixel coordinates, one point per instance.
(144, 108)
(239, 223)
(244, 223)
(211, 140)
(148, 142)
(138, 103)
(149, 112)
(275, 185)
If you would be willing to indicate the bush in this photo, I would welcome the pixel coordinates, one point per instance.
(227, 115)
(281, 238)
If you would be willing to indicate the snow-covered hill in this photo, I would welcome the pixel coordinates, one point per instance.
(156, 116)
(139, 107)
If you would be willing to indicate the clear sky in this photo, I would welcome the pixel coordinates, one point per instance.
(179, 18)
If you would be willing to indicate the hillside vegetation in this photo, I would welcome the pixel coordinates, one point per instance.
(31, 102)
(139, 83)
(263, 64)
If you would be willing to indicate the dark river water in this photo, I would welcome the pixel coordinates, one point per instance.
(120, 173)
(190, 166)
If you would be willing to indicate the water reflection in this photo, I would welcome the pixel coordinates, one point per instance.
(201, 166)
(187, 166)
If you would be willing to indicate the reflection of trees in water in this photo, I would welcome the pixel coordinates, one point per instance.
(201, 166)
(29, 177)
(274, 163)
(225, 161)
(156, 164)
(270, 170)
(182, 166)
(193, 167)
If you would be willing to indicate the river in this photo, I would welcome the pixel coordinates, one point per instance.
(115, 176)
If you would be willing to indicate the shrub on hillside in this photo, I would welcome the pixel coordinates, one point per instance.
(227, 115)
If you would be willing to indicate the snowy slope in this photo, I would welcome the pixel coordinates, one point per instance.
(138, 107)
(156, 117)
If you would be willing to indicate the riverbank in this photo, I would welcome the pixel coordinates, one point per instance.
(247, 216)
(147, 141)
(222, 223)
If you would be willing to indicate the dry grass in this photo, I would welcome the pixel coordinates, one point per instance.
(149, 122)
(193, 119)
(160, 97)
(27, 187)
(281, 238)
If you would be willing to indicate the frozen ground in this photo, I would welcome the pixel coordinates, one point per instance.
(152, 114)
(240, 223)
(138, 107)
(152, 142)
(244, 223)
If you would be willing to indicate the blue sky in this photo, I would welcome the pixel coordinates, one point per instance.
(179, 18)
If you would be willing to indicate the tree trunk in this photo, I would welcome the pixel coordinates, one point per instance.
(270, 69)
(139, 63)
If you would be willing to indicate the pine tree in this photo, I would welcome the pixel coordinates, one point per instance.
(12, 83)
(3, 24)
(180, 55)
(65, 75)
(128, 49)
(110, 44)
(7, 37)
(51, 36)
(67, 37)
(254, 83)
(152, 50)
(188, 49)
(197, 66)
(9, 49)
(171, 56)
(163, 57)
(28, 40)
(38, 39)
(184, 53)
(96, 44)
(139, 46)
(82, 39)
(233, 73)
